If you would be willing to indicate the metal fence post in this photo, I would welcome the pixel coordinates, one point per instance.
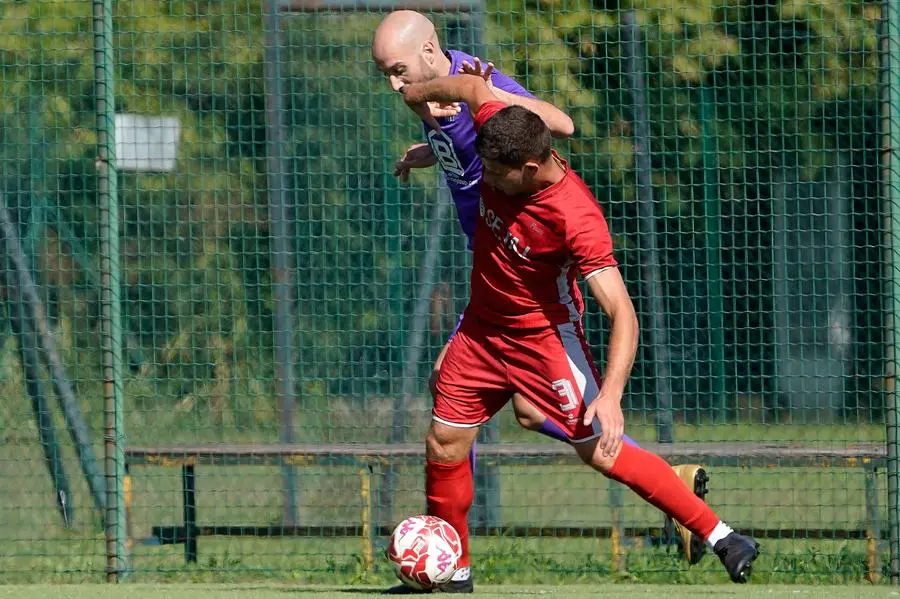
(635, 71)
(890, 97)
(111, 330)
(281, 221)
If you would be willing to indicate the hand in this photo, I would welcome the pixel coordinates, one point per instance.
(478, 70)
(443, 111)
(608, 411)
(424, 111)
(416, 156)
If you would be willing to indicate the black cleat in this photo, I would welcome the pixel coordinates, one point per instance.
(457, 586)
(454, 586)
(692, 547)
(737, 553)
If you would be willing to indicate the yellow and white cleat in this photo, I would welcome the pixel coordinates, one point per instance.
(695, 477)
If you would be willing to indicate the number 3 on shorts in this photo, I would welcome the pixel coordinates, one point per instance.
(565, 390)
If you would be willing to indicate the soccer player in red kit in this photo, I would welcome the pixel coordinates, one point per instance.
(539, 226)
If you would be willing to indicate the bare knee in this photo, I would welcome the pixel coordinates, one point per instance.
(435, 450)
(591, 454)
(447, 444)
(602, 464)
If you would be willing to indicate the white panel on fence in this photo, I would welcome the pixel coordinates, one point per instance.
(146, 143)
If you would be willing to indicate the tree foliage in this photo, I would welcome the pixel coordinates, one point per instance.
(787, 84)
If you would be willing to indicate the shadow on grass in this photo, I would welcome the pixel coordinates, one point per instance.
(317, 590)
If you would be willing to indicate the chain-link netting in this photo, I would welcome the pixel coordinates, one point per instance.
(263, 233)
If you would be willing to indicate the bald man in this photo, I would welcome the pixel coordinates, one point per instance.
(405, 47)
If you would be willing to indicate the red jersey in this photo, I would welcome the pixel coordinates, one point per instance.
(528, 249)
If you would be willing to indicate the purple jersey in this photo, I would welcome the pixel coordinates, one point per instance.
(454, 148)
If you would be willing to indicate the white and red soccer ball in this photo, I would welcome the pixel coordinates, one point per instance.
(424, 551)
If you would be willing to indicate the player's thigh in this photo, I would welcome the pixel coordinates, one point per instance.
(553, 370)
(472, 384)
(436, 369)
(527, 415)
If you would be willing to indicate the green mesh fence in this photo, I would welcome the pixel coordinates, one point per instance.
(262, 234)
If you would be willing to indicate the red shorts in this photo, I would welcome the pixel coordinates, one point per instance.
(551, 368)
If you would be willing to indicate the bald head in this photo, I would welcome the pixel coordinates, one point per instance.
(401, 30)
(405, 47)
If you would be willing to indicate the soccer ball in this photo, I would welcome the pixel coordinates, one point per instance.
(424, 551)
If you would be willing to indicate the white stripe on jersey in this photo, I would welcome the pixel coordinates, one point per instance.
(565, 292)
(579, 364)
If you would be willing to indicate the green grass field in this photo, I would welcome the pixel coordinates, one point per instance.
(92, 591)
(35, 548)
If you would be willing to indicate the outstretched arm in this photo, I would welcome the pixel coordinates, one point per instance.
(609, 290)
(559, 123)
(452, 88)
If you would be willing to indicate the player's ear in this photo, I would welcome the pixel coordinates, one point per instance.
(428, 52)
(529, 170)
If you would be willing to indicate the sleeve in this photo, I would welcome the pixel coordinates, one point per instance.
(508, 84)
(486, 111)
(587, 236)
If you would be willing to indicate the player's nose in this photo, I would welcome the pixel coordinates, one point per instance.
(396, 83)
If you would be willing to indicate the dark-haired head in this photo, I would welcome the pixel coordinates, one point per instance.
(513, 144)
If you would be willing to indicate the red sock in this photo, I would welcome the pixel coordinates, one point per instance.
(652, 478)
(449, 489)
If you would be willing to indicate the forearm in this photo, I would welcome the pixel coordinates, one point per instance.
(609, 290)
(451, 88)
(623, 342)
(557, 121)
